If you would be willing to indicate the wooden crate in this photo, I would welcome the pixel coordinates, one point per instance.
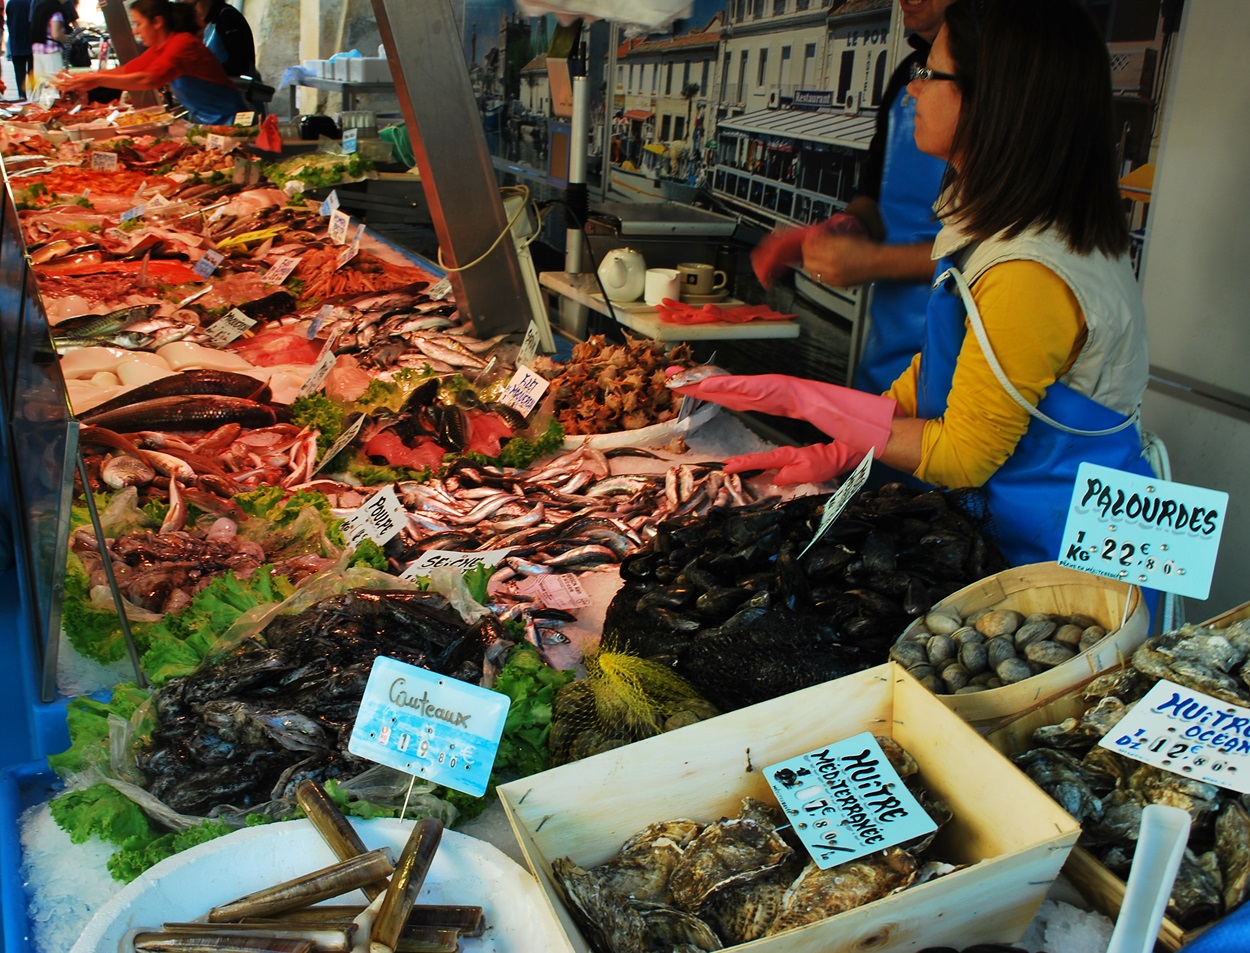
(1099, 886)
(1048, 587)
(1013, 837)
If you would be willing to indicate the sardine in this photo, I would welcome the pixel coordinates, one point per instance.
(437, 351)
(692, 375)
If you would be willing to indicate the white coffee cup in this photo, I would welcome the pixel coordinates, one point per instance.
(698, 278)
(661, 283)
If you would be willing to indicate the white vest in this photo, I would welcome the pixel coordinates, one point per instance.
(1113, 366)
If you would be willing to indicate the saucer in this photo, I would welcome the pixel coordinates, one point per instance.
(705, 299)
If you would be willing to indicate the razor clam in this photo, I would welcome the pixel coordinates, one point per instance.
(410, 872)
(326, 938)
(465, 919)
(160, 942)
(333, 827)
(332, 881)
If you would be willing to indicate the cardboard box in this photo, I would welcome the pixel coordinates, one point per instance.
(1048, 587)
(1013, 837)
(1103, 889)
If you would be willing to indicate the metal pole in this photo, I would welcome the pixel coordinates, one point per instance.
(578, 206)
(609, 107)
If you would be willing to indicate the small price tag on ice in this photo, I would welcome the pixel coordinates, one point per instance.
(348, 142)
(837, 503)
(134, 212)
(339, 224)
(439, 290)
(317, 323)
(380, 518)
(559, 590)
(351, 251)
(104, 161)
(346, 437)
(330, 204)
(280, 270)
(158, 202)
(219, 142)
(228, 327)
(529, 346)
(433, 726)
(1188, 733)
(1147, 532)
(524, 391)
(208, 264)
(317, 376)
(846, 800)
(447, 558)
(245, 119)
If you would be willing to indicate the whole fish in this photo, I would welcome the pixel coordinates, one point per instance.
(222, 383)
(129, 340)
(692, 375)
(186, 412)
(98, 325)
(438, 351)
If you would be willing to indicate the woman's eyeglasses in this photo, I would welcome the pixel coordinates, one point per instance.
(925, 74)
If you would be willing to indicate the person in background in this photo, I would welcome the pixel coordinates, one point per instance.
(1034, 357)
(886, 233)
(229, 37)
(173, 56)
(17, 13)
(47, 31)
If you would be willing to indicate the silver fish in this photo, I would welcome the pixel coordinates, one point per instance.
(692, 375)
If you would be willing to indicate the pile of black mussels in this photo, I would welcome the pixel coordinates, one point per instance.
(731, 601)
(247, 728)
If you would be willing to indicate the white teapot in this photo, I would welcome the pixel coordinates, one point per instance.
(623, 274)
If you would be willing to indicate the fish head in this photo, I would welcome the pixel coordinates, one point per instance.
(684, 377)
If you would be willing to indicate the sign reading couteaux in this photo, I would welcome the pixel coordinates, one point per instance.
(845, 800)
(1146, 532)
(429, 725)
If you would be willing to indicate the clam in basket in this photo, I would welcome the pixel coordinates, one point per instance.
(1051, 589)
(1008, 837)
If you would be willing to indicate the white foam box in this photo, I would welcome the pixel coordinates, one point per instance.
(369, 69)
(337, 69)
(1012, 837)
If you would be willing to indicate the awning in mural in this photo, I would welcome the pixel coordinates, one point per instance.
(639, 115)
(835, 129)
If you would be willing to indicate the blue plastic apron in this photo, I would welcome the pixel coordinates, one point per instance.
(910, 181)
(1029, 496)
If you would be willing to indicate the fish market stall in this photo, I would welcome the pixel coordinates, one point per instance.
(295, 441)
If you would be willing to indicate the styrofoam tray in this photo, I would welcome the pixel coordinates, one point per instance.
(465, 871)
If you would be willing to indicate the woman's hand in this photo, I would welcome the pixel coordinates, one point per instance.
(74, 82)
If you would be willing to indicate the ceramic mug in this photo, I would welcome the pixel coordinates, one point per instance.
(661, 283)
(698, 279)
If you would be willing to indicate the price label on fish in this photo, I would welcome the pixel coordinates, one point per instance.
(219, 142)
(228, 327)
(1148, 532)
(104, 161)
(846, 801)
(339, 223)
(346, 437)
(351, 251)
(450, 559)
(348, 142)
(134, 212)
(331, 203)
(208, 264)
(524, 391)
(837, 503)
(317, 376)
(430, 725)
(1188, 733)
(280, 270)
(380, 519)
(529, 346)
(555, 591)
(245, 119)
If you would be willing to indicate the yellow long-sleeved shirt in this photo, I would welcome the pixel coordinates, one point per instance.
(1036, 328)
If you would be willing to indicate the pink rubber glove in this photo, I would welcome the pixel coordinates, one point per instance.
(864, 421)
(784, 247)
(815, 464)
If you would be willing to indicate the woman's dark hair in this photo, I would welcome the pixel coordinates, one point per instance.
(1035, 139)
(178, 17)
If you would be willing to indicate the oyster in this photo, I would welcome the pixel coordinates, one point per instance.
(1162, 787)
(642, 868)
(818, 894)
(1067, 780)
(1232, 847)
(744, 910)
(1197, 893)
(732, 850)
(1084, 731)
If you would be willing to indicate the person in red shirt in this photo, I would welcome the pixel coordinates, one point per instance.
(173, 56)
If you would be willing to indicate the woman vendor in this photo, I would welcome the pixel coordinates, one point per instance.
(1034, 357)
(173, 56)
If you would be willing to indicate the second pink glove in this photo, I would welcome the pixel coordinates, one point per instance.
(818, 463)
